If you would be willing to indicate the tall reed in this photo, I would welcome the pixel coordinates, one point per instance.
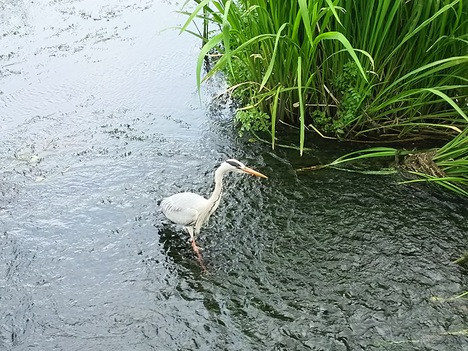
(272, 52)
(419, 82)
(388, 69)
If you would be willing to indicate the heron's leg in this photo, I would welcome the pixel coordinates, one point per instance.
(192, 237)
(196, 248)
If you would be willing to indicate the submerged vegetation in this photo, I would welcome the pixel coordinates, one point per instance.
(378, 71)
(446, 166)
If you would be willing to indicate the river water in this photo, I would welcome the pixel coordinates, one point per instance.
(100, 119)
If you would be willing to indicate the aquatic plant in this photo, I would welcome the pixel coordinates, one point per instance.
(272, 52)
(418, 85)
(463, 259)
(446, 166)
(352, 69)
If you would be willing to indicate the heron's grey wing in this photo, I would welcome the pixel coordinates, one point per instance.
(183, 208)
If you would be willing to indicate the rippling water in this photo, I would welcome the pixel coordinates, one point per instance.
(100, 119)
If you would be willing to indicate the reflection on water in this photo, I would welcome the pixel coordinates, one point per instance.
(101, 119)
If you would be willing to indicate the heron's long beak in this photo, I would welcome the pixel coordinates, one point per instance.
(253, 172)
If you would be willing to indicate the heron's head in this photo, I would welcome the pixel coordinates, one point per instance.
(232, 165)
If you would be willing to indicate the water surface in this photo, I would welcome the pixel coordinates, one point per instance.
(100, 119)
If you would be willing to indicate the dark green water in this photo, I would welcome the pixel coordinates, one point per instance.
(100, 119)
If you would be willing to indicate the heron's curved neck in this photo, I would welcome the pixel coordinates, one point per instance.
(215, 197)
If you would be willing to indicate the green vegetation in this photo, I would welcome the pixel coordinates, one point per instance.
(462, 260)
(446, 166)
(377, 70)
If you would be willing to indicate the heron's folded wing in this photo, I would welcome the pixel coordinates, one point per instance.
(182, 208)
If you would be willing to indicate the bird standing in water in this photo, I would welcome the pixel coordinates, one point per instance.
(192, 210)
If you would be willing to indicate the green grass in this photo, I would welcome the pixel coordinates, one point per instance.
(272, 52)
(418, 84)
(377, 69)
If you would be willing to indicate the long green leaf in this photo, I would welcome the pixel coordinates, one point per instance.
(204, 51)
(194, 13)
(449, 101)
(331, 6)
(274, 116)
(227, 34)
(301, 104)
(223, 60)
(427, 70)
(304, 11)
(412, 33)
(340, 37)
(273, 57)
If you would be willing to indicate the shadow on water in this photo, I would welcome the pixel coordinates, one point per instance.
(101, 119)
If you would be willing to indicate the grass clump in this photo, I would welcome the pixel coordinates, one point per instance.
(377, 69)
(446, 166)
(272, 52)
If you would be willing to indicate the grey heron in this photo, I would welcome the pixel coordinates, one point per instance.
(192, 210)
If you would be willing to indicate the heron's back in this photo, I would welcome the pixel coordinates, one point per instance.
(183, 208)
